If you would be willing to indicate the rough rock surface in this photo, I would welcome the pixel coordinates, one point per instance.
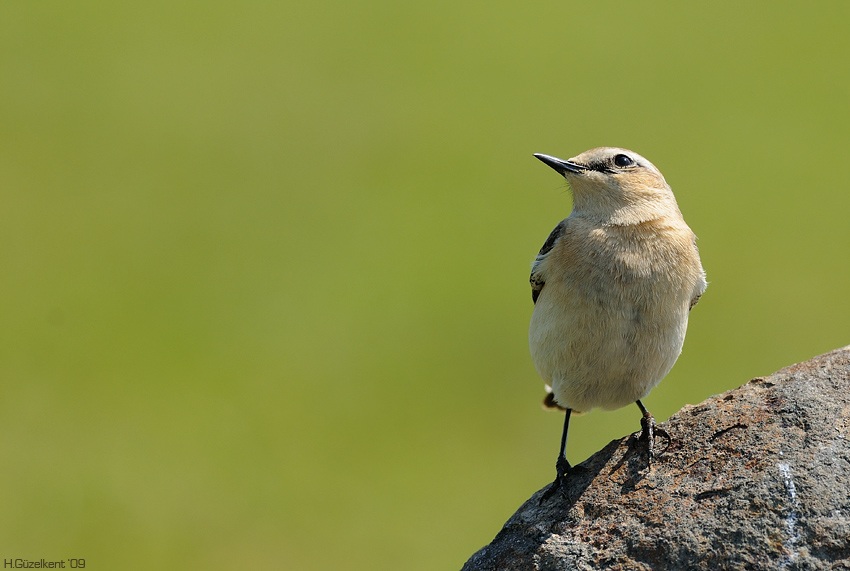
(755, 478)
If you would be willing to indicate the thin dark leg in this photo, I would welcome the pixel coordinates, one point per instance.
(562, 466)
(648, 431)
(646, 413)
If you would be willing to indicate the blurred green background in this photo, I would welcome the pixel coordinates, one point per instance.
(264, 290)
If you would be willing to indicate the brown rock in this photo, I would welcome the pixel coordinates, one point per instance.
(754, 478)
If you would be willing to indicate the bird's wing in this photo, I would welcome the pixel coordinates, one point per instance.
(701, 284)
(694, 301)
(700, 289)
(537, 280)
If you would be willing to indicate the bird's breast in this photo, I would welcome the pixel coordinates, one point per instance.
(611, 319)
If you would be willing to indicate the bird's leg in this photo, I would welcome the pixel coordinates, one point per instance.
(647, 423)
(648, 430)
(562, 466)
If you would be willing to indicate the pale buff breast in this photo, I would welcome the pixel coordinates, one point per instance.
(611, 324)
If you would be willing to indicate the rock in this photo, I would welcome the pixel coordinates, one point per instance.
(754, 478)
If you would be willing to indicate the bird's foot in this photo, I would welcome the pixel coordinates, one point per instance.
(648, 432)
(563, 469)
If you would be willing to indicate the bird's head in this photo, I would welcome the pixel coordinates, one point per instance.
(615, 186)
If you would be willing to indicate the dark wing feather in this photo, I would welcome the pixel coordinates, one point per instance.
(694, 302)
(537, 281)
(704, 285)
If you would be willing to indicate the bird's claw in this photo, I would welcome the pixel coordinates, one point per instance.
(648, 432)
(563, 469)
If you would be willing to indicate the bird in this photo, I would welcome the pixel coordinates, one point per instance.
(612, 287)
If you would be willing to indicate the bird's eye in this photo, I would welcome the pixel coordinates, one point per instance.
(623, 161)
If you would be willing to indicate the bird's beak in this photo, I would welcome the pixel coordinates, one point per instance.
(560, 165)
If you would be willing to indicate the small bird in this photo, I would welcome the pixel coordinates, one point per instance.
(612, 288)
